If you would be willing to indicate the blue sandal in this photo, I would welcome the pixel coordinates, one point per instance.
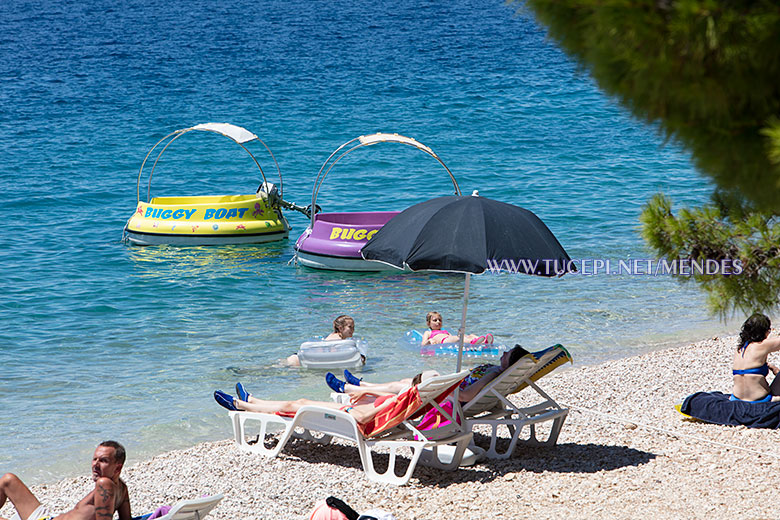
(243, 395)
(225, 400)
(335, 384)
(352, 380)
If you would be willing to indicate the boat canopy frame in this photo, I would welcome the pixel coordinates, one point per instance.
(237, 134)
(369, 140)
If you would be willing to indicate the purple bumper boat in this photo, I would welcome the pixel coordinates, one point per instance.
(333, 240)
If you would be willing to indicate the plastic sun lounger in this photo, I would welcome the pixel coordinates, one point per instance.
(492, 407)
(195, 509)
(394, 429)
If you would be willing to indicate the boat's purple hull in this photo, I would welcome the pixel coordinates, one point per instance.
(335, 240)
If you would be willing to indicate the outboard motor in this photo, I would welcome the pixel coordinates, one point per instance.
(270, 193)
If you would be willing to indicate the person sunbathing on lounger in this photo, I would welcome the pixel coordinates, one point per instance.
(474, 382)
(751, 367)
(437, 336)
(109, 495)
(363, 407)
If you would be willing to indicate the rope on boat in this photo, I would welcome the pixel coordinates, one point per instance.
(617, 418)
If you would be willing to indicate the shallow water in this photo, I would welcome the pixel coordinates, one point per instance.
(101, 340)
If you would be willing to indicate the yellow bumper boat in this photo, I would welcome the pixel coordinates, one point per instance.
(210, 219)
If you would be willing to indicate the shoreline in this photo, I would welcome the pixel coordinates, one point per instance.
(623, 452)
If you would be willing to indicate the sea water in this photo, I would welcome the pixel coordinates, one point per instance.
(103, 340)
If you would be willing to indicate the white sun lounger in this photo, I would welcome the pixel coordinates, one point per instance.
(330, 423)
(192, 509)
(491, 406)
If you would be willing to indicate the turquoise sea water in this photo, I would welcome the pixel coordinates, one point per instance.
(101, 340)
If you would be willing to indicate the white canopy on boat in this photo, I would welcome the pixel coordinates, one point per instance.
(396, 138)
(368, 140)
(236, 133)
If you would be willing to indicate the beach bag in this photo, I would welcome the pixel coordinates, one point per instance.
(434, 419)
(376, 514)
(322, 511)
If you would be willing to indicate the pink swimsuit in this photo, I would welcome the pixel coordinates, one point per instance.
(435, 333)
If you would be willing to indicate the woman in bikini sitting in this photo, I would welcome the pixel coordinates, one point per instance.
(750, 363)
(437, 336)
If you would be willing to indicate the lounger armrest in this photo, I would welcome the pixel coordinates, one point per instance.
(328, 421)
(193, 509)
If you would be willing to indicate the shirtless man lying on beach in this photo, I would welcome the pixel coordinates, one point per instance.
(109, 495)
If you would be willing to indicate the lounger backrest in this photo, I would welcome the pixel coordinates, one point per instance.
(412, 403)
(516, 377)
(550, 359)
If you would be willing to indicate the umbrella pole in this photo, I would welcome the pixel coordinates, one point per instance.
(462, 330)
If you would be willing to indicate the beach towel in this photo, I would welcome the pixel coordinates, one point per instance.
(715, 407)
(160, 511)
(559, 359)
(403, 407)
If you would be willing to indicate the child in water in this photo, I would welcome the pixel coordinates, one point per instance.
(343, 328)
(437, 336)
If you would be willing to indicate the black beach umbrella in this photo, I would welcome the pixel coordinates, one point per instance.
(468, 235)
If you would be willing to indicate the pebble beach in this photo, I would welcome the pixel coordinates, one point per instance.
(624, 452)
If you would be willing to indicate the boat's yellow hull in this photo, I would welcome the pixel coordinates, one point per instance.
(206, 220)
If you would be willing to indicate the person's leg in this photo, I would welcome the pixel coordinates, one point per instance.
(261, 406)
(21, 497)
(393, 387)
(364, 384)
(468, 338)
(365, 412)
